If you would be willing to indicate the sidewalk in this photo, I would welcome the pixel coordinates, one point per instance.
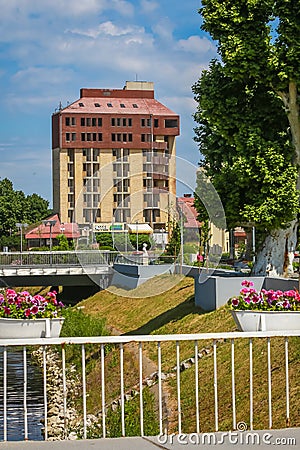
(289, 438)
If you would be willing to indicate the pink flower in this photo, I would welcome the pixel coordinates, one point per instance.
(6, 310)
(34, 310)
(235, 301)
(247, 283)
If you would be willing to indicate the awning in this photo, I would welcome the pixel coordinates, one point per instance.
(139, 228)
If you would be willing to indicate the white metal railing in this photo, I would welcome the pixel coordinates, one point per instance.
(158, 341)
(57, 258)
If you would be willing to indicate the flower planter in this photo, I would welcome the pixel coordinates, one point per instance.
(249, 320)
(30, 328)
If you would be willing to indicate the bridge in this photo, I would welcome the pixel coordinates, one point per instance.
(59, 268)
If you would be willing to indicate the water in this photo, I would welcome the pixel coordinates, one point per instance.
(35, 399)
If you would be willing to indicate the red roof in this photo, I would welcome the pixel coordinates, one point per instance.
(186, 204)
(142, 106)
(70, 230)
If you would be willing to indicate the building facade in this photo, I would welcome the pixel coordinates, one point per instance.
(113, 158)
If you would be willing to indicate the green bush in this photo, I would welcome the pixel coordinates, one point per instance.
(79, 324)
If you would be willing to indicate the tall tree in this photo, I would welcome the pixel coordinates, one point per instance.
(249, 129)
(16, 207)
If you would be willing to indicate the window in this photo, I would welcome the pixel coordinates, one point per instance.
(171, 123)
(124, 122)
(68, 137)
(73, 121)
(67, 121)
(135, 105)
(88, 122)
(146, 137)
(113, 122)
(143, 122)
(113, 137)
(109, 105)
(130, 137)
(122, 105)
(88, 136)
(119, 137)
(96, 184)
(99, 121)
(117, 152)
(155, 123)
(118, 122)
(97, 105)
(94, 136)
(124, 137)
(99, 137)
(96, 153)
(71, 154)
(71, 200)
(73, 136)
(82, 121)
(71, 170)
(94, 121)
(130, 122)
(81, 105)
(82, 137)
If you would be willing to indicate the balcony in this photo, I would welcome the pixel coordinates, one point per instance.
(159, 145)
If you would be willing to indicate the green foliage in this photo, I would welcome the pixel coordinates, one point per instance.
(141, 239)
(173, 246)
(132, 417)
(79, 324)
(243, 130)
(104, 240)
(63, 244)
(16, 207)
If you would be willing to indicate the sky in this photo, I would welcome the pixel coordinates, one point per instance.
(49, 49)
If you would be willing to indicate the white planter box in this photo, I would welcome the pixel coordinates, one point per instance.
(266, 320)
(30, 328)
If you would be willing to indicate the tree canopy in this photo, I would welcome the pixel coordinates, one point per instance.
(248, 114)
(16, 207)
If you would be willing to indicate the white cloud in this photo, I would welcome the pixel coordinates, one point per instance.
(164, 29)
(196, 44)
(108, 29)
(149, 6)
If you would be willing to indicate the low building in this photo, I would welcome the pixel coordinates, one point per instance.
(48, 230)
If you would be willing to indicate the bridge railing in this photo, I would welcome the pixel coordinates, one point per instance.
(212, 357)
(58, 258)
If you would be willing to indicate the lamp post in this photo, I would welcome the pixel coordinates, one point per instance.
(50, 223)
(180, 204)
(137, 237)
(112, 232)
(21, 226)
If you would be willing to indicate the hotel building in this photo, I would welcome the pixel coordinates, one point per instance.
(114, 158)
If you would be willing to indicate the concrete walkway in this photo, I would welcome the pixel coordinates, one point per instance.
(288, 438)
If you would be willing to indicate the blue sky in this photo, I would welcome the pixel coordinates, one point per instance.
(49, 49)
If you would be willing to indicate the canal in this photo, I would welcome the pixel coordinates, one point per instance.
(15, 407)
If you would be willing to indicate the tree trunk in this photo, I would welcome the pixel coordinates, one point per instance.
(277, 253)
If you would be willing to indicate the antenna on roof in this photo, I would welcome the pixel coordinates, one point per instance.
(136, 77)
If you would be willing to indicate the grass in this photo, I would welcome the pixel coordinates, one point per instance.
(174, 311)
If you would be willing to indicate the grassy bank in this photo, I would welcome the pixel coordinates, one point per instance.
(173, 311)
